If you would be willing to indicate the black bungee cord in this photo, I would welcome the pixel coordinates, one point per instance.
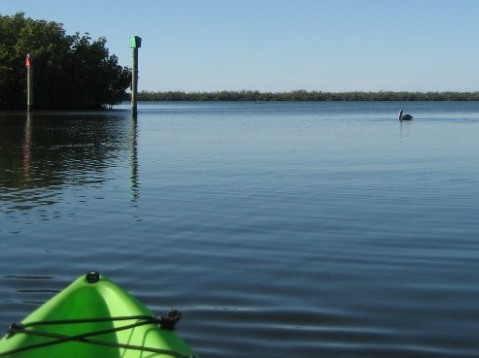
(167, 323)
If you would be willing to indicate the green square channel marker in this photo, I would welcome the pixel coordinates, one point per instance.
(135, 41)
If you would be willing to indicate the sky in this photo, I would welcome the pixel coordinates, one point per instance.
(281, 45)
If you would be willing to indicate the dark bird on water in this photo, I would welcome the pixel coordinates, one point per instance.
(404, 116)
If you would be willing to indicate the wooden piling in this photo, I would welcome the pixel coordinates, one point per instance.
(135, 44)
(28, 64)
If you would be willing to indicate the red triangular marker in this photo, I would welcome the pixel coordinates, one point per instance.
(27, 61)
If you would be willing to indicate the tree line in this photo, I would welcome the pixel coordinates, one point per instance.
(303, 95)
(69, 71)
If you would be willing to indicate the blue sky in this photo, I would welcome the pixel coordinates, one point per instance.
(282, 45)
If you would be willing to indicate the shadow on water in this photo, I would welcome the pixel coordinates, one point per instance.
(42, 152)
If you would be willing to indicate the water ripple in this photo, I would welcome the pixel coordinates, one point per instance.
(317, 229)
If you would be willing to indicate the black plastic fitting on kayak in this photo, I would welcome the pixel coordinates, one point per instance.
(170, 320)
(14, 328)
(92, 277)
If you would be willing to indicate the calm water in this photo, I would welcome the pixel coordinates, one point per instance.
(283, 229)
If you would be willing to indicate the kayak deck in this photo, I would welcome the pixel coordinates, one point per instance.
(93, 317)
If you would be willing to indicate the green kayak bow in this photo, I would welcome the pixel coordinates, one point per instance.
(93, 317)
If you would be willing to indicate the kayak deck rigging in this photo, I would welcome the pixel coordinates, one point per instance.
(164, 323)
(55, 328)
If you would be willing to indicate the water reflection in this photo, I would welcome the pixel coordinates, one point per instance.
(26, 148)
(403, 129)
(135, 186)
(41, 153)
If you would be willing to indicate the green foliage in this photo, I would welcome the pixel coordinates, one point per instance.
(303, 95)
(69, 71)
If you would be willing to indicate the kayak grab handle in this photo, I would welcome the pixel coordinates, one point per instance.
(92, 277)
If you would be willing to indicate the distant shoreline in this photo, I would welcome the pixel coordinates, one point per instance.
(302, 95)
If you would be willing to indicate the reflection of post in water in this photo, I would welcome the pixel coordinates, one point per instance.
(27, 137)
(135, 187)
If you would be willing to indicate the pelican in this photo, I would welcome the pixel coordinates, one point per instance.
(405, 116)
